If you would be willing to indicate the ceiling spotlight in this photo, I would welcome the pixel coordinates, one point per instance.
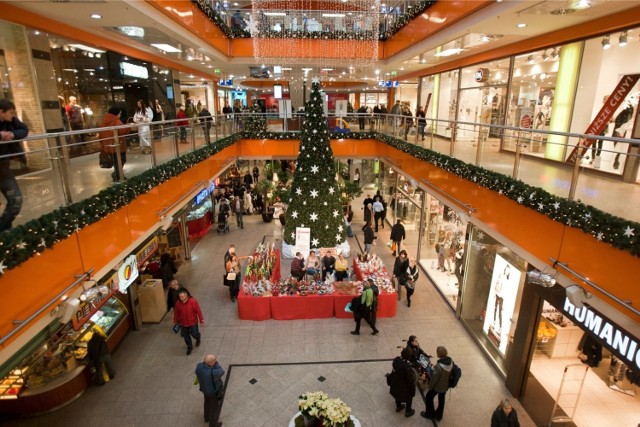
(622, 40)
(606, 44)
(96, 16)
(521, 25)
(542, 279)
(530, 59)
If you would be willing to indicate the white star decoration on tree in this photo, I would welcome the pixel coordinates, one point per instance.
(313, 216)
(540, 206)
(480, 235)
(629, 232)
(338, 237)
(2, 267)
(600, 236)
(314, 169)
(340, 228)
(520, 199)
(314, 243)
(556, 205)
(293, 235)
(294, 214)
(314, 193)
(315, 80)
(335, 214)
(331, 190)
(21, 245)
(299, 191)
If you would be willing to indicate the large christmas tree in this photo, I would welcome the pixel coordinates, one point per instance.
(315, 197)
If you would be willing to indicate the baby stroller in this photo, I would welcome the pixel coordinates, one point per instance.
(223, 224)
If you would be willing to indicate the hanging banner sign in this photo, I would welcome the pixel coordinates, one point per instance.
(611, 336)
(605, 114)
(303, 241)
(147, 251)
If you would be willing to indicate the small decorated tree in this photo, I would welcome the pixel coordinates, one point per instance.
(256, 122)
(315, 194)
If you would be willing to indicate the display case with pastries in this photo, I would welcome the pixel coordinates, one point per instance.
(56, 354)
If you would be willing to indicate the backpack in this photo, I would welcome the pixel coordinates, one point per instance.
(454, 376)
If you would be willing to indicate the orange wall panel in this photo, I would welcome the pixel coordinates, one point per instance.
(102, 241)
(614, 270)
(38, 280)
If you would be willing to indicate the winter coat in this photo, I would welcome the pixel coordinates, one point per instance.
(439, 381)
(368, 236)
(400, 269)
(403, 380)
(205, 118)
(397, 233)
(182, 115)
(209, 378)
(106, 136)
(187, 313)
(500, 419)
(20, 131)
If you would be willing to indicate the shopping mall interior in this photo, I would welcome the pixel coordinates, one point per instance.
(501, 137)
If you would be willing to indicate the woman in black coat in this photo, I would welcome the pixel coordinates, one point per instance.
(403, 383)
(505, 415)
(400, 270)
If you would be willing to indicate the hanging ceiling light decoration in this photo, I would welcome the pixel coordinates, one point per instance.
(286, 32)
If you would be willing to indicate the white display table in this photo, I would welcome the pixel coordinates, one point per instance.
(292, 423)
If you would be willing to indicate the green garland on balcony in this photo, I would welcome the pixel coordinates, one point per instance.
(220, 21)
(32, 238)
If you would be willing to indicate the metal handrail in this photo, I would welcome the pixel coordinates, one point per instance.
(470, 209)
(23, 323)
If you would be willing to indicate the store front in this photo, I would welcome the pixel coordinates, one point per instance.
(201, 215)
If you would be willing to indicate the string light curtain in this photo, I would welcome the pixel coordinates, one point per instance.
(297, 32)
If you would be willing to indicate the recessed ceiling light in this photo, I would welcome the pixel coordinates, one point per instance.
(166, 47)
(521, 25)
(96, 16)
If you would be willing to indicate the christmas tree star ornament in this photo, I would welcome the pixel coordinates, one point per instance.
(314, 193)
(2, 267)
(628, 232)
(313, 216)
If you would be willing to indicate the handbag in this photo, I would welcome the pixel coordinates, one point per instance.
(389, 378)
(411, 284)
(176, 328)
(231, 276)
(106, 161)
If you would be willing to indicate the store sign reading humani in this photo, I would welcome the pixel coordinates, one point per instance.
(613, 337)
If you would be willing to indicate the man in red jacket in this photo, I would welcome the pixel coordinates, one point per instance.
(186, 313)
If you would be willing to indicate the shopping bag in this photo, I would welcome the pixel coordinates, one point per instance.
(106, 161)
(231, 276)
(176, 328)
(393, 247)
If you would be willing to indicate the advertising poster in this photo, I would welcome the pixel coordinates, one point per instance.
(501, 302)
(303, 241)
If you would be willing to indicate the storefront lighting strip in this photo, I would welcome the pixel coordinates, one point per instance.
(627, 304)
(56, 300)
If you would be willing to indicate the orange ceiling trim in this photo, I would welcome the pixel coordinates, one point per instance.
(188, 16)
(16, 15)
(609, 24)
(436, 18)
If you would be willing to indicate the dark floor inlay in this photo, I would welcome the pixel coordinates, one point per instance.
(321, 378)
(253, 381)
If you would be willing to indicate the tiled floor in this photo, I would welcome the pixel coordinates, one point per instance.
(154, 382)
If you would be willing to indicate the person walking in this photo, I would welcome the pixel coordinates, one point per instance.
(256, 174)
(408, 120)
(400, 267)
(186, 313)
(438, 385)
(368, 237)
(182, 123)
(367, 307)
(403, 382)
(143, 117)
(378, 209)
(173, 293)
(422, 121)
(107, 140)
(209, 374)
(411, 278)
(206, 120)
(397, 235)
(238, 209)
(11, 129)
(505, 415)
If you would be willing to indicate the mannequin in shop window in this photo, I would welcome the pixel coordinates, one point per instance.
(620, 130)
(501, 283)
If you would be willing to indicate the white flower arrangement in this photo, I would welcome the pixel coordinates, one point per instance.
(310, 403)
(332, 412)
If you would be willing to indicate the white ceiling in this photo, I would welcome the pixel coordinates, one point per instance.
(498, 21)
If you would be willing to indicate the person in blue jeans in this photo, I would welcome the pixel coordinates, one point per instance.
(11, 129)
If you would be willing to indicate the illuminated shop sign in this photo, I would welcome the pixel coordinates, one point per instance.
(615, 339)
(204, 193)
(147, 251)
(482, 75)
(127, 273)
(129, 69)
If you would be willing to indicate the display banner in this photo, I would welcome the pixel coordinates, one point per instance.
(303, 240)
(147, 251)
(611, 336)
(605, 114)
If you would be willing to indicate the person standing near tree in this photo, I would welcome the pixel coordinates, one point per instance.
(11, 129)
(186, 313)
(397, 235)
(209, 375)
(368, 237)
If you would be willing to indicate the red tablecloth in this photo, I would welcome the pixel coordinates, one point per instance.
(199, 227)
(386, 305)
(253, 308)
(307, 307)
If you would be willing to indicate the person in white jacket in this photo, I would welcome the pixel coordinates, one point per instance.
(143, 117)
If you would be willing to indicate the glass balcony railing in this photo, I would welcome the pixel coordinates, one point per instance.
(63, 168)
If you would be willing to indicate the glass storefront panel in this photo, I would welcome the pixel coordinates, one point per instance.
(442, 248)
(447, 102)
(494, 279)
(600, 72)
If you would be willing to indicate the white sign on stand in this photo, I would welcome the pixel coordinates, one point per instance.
(325, 103)
(303, 240)
(284, 107)
(341, 108)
